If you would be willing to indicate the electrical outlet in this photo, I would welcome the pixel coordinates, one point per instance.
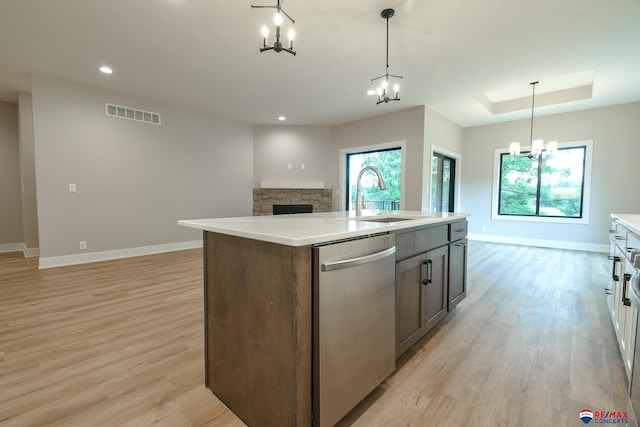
(289, 166)
(72, 188)
(83, 244)
(484, 228)
(302, 166)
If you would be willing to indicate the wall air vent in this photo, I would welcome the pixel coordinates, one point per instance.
(132, 114)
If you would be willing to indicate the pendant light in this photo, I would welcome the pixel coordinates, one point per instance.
(537, 145)
(277, 20)
(384, 91)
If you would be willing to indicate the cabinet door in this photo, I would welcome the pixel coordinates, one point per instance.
(457, 273)
(435, 285)
(618, 311)
(410, 303)
(628, 317)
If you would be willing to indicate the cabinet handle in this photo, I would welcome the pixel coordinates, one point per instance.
(459, 230)
(620, 237)
(607, 291)
(613, 268)
(626, 301)
(428, 265)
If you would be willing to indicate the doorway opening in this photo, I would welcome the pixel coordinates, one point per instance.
(443, 176)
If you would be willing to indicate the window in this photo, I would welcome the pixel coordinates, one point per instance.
(389, 162)
(544, 188)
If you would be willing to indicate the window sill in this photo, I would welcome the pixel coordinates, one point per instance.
(550, 220)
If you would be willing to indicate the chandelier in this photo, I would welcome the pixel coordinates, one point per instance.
(384, 91)
(277, 19)
(537, 145)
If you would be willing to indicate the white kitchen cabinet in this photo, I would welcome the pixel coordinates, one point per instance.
(628, 320)
(623, 313)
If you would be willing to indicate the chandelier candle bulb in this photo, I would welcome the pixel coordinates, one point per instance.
(537, 146)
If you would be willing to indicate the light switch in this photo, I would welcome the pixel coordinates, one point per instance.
(289, 166)
(72, 188)
(302, 166)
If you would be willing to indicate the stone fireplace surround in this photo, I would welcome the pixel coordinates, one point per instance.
(264, 199)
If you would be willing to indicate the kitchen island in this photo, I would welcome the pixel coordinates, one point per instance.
(259, 301)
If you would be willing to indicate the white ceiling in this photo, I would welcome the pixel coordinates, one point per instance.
(204, 54)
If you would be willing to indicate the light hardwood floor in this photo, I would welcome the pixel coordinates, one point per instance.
(121, 343)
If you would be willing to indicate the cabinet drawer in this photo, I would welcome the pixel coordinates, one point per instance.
(419, 241)
(457, 230)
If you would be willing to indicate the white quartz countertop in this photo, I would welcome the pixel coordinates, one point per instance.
(309, 229)
(630, 221)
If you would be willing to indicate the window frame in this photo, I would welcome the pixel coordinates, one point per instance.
(586, 183)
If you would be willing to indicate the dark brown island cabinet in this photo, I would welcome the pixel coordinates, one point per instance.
(431, 264)
(259, 313)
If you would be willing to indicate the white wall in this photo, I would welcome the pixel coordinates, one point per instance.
(277, 146)
(615, 132)
(10, 198)
(134, 180)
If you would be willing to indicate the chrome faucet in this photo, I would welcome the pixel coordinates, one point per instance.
(358, 190)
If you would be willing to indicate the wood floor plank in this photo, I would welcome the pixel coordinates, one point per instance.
(121, 343)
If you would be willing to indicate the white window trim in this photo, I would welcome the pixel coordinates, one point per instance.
(384, 146)
(586, 198)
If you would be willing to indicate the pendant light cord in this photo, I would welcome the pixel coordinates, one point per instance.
(387, 46)
(533, 98)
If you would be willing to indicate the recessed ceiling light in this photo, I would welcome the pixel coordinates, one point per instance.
(106, 69)
(282, 118)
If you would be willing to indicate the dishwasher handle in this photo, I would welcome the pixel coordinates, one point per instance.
(352, 262)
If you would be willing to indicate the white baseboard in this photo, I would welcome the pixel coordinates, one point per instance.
(59, 261)
(20, 247)
(30, 252)
(11, 247)
(555, 244)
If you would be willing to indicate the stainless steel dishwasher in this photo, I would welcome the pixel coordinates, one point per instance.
(353, 323)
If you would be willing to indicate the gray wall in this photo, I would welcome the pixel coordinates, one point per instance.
(28, 175)
(445, 137)
(275, 147)
(318, 147)
(134, 180)
(615, 132)
(406, 125)
(10, 198)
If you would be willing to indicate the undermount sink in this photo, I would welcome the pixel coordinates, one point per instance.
(386, 219)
